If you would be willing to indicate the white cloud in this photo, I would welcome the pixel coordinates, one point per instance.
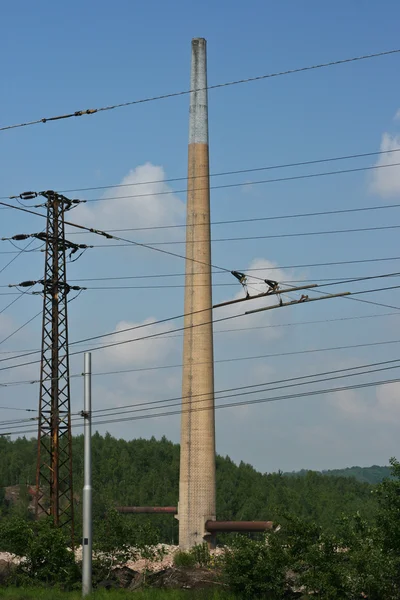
(152, 206)
(383, 408)
(397, 115)
(349, 403)
(386, 181)
(388, 402)
(147, 352)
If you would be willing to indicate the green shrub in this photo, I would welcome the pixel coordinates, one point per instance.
(15, 535)
(256, 569)
(47, 559)
(184, 559)
(201, 555)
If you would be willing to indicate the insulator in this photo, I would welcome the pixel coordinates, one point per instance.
(27, 283)
(20, 236)
(40, 236)
(239, 276)
(47, 193)
(28, 195)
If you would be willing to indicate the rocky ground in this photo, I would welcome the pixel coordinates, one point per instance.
(159, 573)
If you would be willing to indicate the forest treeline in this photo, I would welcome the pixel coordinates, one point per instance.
(374, 474)
(146, 472)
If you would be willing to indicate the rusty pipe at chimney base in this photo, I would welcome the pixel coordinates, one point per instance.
(137, 510)
(238, 526)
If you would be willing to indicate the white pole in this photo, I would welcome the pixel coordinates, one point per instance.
(87, 489)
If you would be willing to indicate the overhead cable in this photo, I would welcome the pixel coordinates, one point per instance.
(91, 111)
(229, 405)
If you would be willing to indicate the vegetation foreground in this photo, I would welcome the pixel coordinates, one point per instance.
(320, 546)
(36, 594)
(299, 559)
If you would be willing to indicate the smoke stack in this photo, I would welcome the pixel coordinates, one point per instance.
(197, 461)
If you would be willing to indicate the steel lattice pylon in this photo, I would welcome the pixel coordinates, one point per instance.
(54, 490)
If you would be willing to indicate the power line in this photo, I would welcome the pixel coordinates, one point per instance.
(17, 256)
(259, 357)
(91, 111)
(21, 327)
(284, 267)
(282, 290)
(268, 384)
(229, 185)
(259, 400)
(333, 281)
(5, 267)
(13, 302)
(109, 236)
(156, 335)
(17, 408)
(232, 404)
(247, 183)
(183, 400)
(237, 172)
(77, 375)
(29, 320)
(219, 331)
(153, 245)
(214, 321)
(260, 237)
(256, 219)
(16, 423)
(234, 359)
(112, 333)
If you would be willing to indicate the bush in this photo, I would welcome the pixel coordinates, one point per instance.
(184, 559)
(256, 569)
(117, 539)
(15, 535)
(44, 547)
(201, 555)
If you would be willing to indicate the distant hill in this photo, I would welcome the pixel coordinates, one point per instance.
(371, 475)
(146, 472)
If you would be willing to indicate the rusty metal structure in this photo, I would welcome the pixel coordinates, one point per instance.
(54, 487)
(147, 510)
(212, 527)
(238, 526)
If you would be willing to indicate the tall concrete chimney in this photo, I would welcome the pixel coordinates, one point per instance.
(197, 461)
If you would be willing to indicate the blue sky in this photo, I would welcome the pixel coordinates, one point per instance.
(60, 59)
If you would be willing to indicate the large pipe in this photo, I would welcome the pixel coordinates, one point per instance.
(157, 510)
(238, 526)
(197, 459)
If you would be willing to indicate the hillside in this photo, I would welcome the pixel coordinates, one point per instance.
(371, 475)
(145, 472)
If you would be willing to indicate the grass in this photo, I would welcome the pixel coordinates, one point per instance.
(150, 594)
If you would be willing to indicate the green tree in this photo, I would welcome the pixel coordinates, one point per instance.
(256, 569)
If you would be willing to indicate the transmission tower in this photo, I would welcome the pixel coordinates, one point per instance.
(54, 489)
